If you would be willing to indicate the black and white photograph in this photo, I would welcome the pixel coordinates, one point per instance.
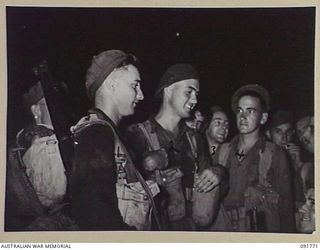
(160, 119)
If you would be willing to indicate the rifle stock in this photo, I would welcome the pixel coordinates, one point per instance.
(56, 99)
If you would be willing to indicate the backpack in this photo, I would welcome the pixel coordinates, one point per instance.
(135, 199)
(36, 185)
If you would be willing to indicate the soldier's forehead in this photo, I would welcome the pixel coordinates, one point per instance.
(248, 101)
(303, 122)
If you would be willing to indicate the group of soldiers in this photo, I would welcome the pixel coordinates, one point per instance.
(172, 172)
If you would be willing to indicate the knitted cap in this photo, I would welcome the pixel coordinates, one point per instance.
(261, 91)
(101, 66)
(176, 73)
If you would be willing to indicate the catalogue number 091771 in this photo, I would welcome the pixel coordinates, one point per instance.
(308, 245)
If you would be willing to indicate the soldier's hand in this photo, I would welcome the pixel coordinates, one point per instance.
(157, 159)
(294, 152)
(206, 180)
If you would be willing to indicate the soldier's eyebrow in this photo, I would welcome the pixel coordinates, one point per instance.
(135, 82)
(193, 88)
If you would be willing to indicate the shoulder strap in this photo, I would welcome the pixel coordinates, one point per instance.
(154, 144)
(224, 152)
(193, 144)
(152, 138)
(137, 173)
(86, 122)
(141, 180)
(265, 163)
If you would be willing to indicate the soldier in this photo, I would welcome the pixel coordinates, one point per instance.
(36, 180)
(260, 195)
(106, 190)
(175, 155)
(196, 121)
(217, 129)
(305, 131)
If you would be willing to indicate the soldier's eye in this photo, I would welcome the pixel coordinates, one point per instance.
(311, 128)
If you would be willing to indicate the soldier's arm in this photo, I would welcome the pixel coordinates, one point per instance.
(93, 182)
(146, 160)
(137, 142)
(205, 161)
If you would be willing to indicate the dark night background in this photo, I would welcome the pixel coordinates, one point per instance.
(230, 47)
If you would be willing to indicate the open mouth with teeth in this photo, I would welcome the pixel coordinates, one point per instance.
(190, 107)
(222, 135)
(135, 104)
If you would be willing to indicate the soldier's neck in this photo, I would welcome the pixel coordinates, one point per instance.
(110, 110)
(212, 142)
(246, 141)
(168, 119)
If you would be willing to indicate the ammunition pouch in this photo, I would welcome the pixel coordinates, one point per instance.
(259, 213)
(134, 204)
(265, 200)
(171, 181)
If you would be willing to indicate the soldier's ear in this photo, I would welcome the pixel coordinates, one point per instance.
(167, 92)
(264, 118)
(109, 84)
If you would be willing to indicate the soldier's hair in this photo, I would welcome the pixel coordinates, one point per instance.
(256, 95)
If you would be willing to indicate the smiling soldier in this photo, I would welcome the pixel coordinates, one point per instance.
(175, 155)
(106, 190)
(216, 130)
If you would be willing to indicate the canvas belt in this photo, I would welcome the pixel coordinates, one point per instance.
(189, 193)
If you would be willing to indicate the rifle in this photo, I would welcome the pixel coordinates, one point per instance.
(55, 94)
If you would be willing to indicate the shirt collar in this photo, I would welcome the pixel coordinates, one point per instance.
(260, 143)
(155, 125)
(101, 115)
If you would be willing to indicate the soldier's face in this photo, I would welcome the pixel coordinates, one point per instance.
(249, 115)
(196, 122)
(282, 134)
(305, 131)
(184, 97)
(127, 90)
(219, 127)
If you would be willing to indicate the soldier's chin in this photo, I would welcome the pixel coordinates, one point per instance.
(220, 140)
(130, 112)
(243, 131)
(187, 114)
